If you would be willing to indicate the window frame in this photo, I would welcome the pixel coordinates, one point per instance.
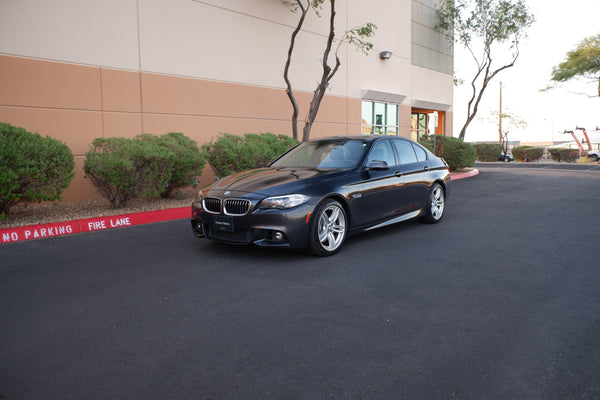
(371, 126)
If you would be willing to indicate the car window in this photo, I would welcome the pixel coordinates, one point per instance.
(344, 155)
(334, 154)
(405, 151)
(382, 151)
(421, 153)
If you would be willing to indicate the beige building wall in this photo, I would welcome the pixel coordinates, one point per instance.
(81, 69)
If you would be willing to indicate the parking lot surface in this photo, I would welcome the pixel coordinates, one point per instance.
(499, 301)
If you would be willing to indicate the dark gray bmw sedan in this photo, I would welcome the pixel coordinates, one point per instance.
(321, 191)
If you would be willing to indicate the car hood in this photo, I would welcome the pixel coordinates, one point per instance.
(268, 181)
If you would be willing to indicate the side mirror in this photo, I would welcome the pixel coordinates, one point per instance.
(377, 165)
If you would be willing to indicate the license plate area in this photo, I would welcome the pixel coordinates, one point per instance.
(223, 223)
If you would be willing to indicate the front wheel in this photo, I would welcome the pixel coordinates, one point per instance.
(328, 229)
(436, 204)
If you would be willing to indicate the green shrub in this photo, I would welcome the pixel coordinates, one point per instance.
(122, 169)
(457, 153)
(527, 153)
(32, 168)
(488, 152)
(189, 160)
(534, 154)
(230, 153)
(566, 155)
(519, 152)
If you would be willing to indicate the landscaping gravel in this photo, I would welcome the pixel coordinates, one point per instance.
(34, 214)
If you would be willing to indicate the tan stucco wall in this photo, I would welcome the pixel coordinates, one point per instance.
(77, 69)
(77, 103)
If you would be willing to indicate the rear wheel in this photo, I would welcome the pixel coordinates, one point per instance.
(328, 229)
(436, 204)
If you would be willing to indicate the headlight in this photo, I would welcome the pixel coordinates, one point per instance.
(283, 202)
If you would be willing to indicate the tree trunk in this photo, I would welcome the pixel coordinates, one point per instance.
(328, 73)
(289, 90)
(471, 113)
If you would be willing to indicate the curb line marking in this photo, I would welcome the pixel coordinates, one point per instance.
(30, 232)
(465, 175)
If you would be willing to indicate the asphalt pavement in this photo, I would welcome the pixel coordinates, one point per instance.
(498, 301)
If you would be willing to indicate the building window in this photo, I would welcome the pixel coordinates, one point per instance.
(418, 125)
(379, 118)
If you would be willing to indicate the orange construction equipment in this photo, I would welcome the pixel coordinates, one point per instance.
(587, 139)
(576, 141)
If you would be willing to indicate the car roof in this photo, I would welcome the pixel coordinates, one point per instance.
(368, 138)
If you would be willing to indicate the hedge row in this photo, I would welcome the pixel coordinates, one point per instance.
(35, 168)
(488, 152)
(527, 153)
(148, 165)
(458, 154)
(566, 155)
(230, 153)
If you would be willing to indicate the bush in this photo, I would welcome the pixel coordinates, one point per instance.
(122, 169)
(527, 153)
(519, 152)
(488, 152)
(32, 167)
(457, 153)
(566, 155)
(534, 154)
(189, 160)
(231, 153)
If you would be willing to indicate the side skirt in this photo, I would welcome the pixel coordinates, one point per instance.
(401, 218)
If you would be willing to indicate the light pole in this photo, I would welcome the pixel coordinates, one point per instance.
(500, 119)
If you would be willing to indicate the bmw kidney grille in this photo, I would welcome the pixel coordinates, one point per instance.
(236, 206)
(212, 205)
(230, 206)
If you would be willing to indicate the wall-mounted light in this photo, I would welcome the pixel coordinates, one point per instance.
(385, 55)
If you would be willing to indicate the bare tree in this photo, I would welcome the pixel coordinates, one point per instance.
(507, 122)
(356, 36)
(479, 25)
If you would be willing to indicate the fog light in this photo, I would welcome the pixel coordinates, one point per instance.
(277, 236)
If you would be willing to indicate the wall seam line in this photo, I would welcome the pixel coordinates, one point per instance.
(102, 104)
(139, 39)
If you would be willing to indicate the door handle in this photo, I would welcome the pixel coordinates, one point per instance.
(426, 168)
(398, 174)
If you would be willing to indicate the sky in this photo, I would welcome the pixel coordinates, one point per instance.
(559, 27)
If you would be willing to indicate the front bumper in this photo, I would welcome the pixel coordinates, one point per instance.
(261, 227)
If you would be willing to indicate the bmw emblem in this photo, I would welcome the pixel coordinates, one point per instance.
(227, 193)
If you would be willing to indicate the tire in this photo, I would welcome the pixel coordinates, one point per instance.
(594, 158)
(328, 229)
(436, 204)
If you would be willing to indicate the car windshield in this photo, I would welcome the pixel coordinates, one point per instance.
(324, 154)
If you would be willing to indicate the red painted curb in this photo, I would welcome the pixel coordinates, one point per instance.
(469, 174)
(31, 232)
